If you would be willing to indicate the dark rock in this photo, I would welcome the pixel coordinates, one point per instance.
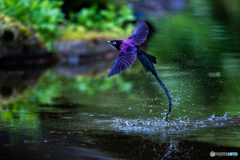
(84, 57)
(78, 48)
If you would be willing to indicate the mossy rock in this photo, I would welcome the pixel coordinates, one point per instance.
(16, 37)
(17, 28)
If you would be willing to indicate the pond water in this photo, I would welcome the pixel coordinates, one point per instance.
(45, 115)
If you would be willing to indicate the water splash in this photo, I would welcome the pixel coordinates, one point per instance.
(154, 125)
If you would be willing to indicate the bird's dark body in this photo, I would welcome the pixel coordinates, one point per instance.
(128, 51)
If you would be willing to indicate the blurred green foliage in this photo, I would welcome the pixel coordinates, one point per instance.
(111, 22)
(42, 16)
(103, 19)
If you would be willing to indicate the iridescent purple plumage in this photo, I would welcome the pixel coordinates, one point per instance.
(128, 51)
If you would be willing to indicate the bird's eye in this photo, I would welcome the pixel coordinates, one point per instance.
(114, 43)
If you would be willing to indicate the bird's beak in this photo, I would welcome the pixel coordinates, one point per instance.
(109, 42)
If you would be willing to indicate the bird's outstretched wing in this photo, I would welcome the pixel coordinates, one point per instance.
(140, 34)
(123, 61)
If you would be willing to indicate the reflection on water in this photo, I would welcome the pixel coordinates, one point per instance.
(56, 116)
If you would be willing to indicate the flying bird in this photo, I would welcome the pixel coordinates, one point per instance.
(129, 51)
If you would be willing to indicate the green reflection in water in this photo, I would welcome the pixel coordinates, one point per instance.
(22, 117)
(52, 86)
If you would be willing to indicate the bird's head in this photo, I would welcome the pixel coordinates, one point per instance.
(116, 43)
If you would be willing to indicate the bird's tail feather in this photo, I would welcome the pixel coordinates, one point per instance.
(147, 62)
(167, 93)
(148, 56)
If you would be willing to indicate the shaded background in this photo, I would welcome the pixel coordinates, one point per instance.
(55, 102)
